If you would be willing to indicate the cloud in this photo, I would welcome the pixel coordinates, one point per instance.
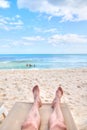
(69, 42)
(68, 10)
(13, 23)
(50, 30)
(13, 43)
(54, 40)
(21, 42)
(33, 39)
(67, 38)
(4, 4)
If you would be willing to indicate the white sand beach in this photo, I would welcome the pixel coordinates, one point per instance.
(16, 85)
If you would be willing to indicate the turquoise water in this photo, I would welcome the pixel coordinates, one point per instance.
(42, 61)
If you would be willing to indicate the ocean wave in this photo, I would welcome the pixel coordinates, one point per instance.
(42, 61)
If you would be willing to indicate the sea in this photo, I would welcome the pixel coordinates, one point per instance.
(42, 61)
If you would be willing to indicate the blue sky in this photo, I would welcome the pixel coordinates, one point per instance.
(48, 26)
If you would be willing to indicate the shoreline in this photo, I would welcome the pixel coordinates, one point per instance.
(16, 86)
(78, 68)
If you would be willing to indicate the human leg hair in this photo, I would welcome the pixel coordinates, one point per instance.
(56, 120)
(33, 120)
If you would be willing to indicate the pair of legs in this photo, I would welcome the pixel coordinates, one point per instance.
(56, 120)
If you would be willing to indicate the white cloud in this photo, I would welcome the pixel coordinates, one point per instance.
(21, 42)
(67, 43)
(68, 10)
(13, 23)
(67, 38)
(32, 39)
(10, 43)
(4, 4)
(50, 30)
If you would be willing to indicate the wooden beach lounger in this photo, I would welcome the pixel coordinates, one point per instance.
(3, 110)
(19, 112)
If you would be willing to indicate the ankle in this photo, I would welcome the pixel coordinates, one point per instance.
(38, 102)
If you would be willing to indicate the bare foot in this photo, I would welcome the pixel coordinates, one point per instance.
(58, 95)
(59, 92)
(36, 93)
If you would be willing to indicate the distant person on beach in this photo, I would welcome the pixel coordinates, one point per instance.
(30, 65)
(56, 120)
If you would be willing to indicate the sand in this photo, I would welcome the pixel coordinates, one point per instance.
(16, 86)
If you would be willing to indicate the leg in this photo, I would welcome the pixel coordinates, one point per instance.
(56, 120)
(33, 120)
